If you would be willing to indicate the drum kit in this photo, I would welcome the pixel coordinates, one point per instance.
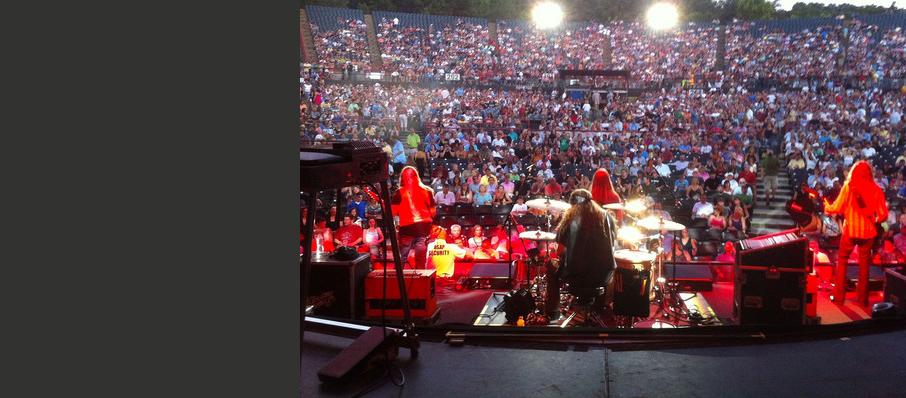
(638, 279)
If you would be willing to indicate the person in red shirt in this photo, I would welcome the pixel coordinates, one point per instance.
(748, 175)
(862, 204)
(349, 235)
(414, 205)
(552, 189)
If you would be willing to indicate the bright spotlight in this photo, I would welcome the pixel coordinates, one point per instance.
(629, 234)
(662, 16)
(547, 15)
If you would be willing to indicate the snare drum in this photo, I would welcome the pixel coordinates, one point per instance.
(634, 259)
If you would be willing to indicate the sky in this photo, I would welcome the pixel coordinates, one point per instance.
(787, 4)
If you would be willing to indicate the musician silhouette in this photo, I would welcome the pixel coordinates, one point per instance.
(586, 238)
(414, 205)
(862, 204)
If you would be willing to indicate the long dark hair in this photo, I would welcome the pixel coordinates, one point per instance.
(584, 208)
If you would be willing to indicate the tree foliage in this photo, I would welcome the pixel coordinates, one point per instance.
(816, 10)
(608, 10)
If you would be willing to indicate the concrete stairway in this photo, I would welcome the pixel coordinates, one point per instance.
(309, 54)
(608, 51)
(373, 50)
(772, 219)
(492, 32)
(720, 61)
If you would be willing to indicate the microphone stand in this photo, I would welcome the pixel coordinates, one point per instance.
(509, 249)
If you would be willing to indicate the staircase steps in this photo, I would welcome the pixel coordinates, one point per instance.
(720, 61)
(309, 53)
(773, 218)
(374, 51)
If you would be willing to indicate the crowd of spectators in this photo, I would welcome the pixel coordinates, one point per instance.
(651, 57)
(874, 53)
(759, 54)
(525, 52)
(490, 147)
(697, 154)
(465, 51)
(342, 47)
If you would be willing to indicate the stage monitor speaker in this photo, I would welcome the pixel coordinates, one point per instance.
(355, 359)
(489, 276)
(770, 296)
(770, 279)
(690, 277)
(345, 280)
(785, 249)
(895, 289)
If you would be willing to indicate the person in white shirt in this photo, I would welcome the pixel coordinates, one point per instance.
(702, 208)
(663, 169)
(445, 197)
(519, 207)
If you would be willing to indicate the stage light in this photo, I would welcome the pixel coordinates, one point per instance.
(547, 15)
(662, 16)
(629, 234)
(636, 206)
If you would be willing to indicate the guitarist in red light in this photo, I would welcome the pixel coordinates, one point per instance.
(414, 205)
(862, 204)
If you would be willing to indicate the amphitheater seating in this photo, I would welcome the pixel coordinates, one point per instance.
(425, 21)
(326, 18)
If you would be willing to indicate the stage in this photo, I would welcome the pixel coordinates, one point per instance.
(463, 306)
(855, 366)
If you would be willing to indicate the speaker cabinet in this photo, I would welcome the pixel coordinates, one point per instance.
(770, 280)
(895, 289)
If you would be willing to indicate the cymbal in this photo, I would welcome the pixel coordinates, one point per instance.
(630, 234)
(548, 204)
(659, 224)
(538, 235)
(635, 206)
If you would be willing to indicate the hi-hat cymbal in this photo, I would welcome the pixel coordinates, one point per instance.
(634, 206)
(538, 235)
(548, 204)
(659, 224)
(630, 234)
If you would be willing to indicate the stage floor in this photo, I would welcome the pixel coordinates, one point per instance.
(463, 306)
(860, 366)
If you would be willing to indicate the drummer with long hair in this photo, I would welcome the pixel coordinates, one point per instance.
(585, 237)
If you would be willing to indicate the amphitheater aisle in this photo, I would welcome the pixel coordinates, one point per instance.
(773, 218)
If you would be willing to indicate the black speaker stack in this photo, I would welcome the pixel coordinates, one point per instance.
(770, 279)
